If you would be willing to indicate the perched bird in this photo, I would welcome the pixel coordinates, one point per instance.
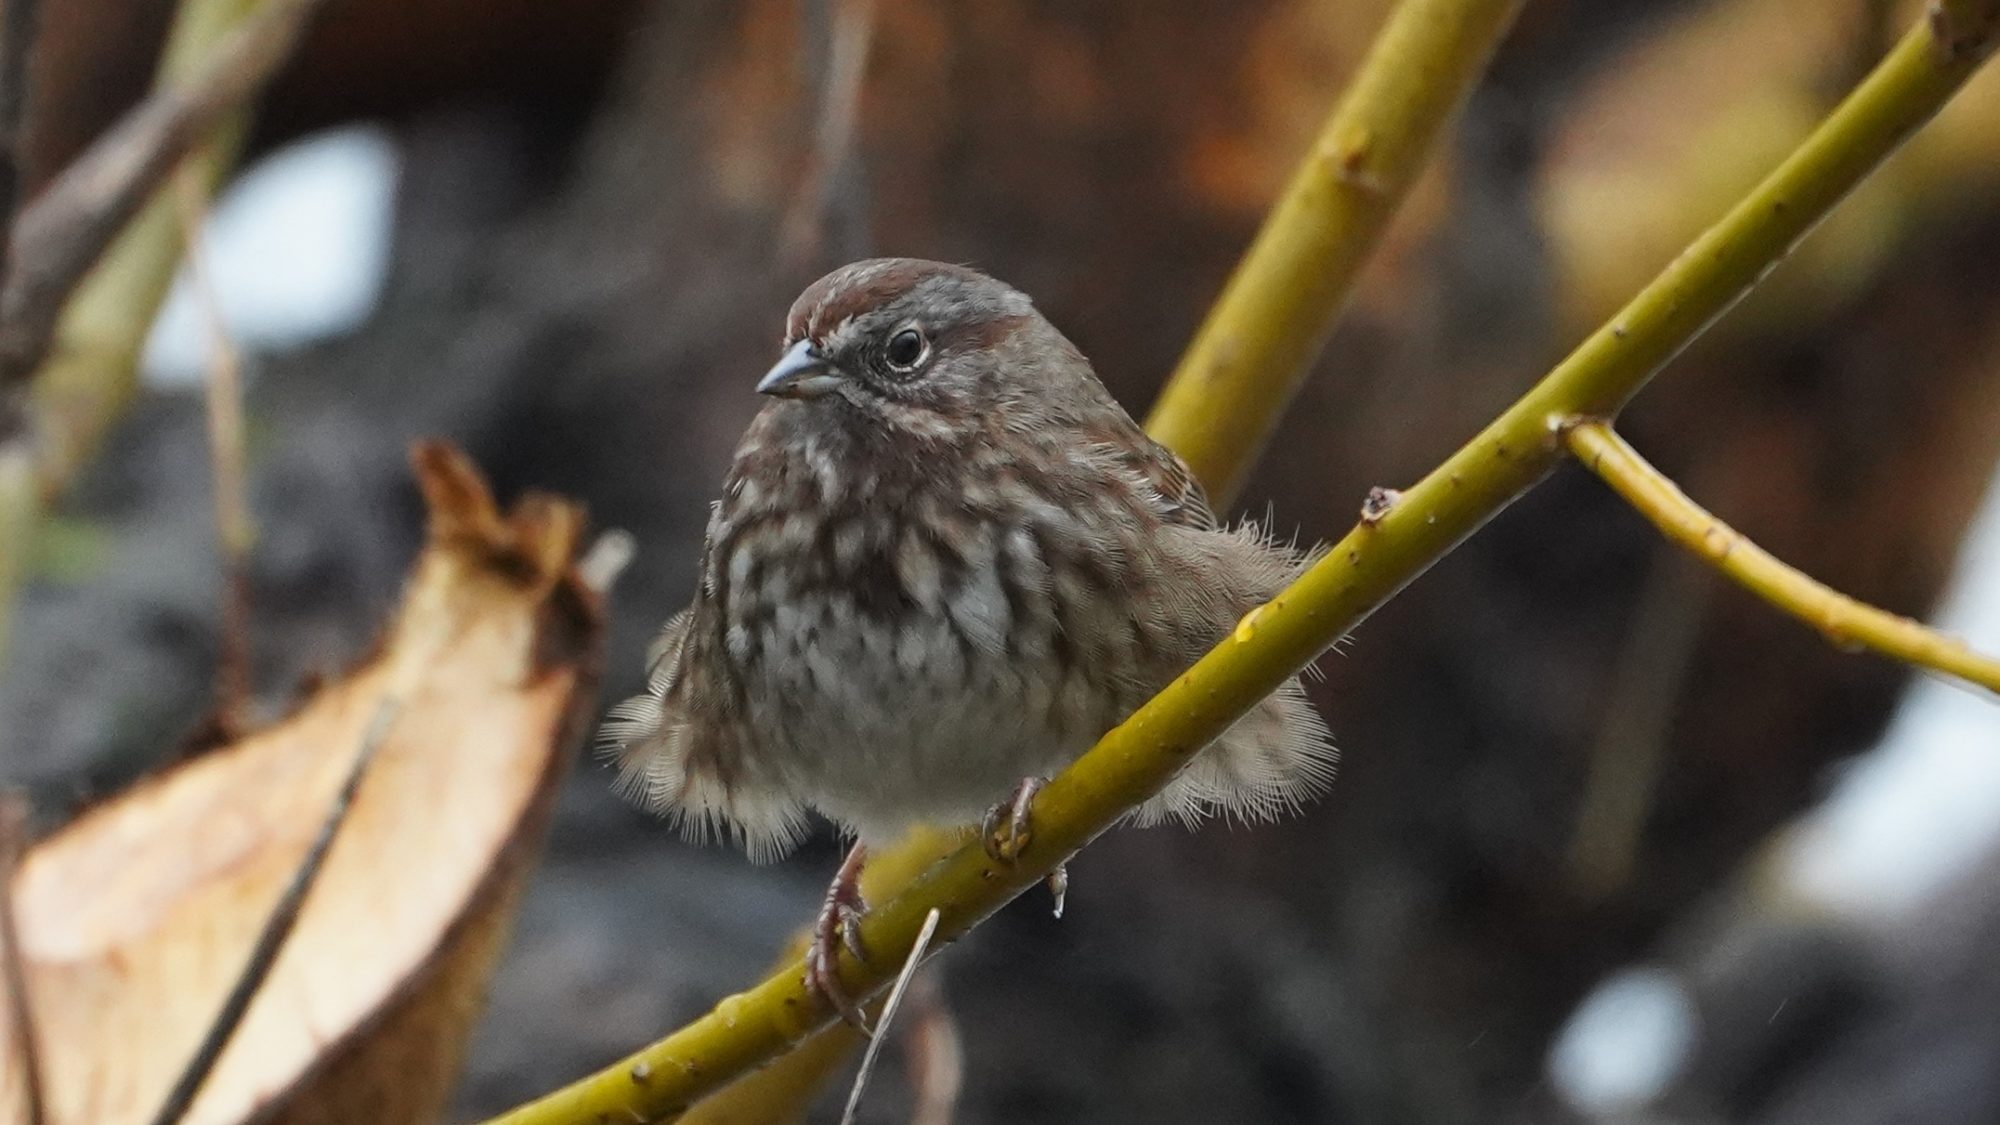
(944, 563)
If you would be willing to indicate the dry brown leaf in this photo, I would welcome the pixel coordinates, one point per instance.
(136, 919)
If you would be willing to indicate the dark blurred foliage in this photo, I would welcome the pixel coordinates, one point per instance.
(588, 275)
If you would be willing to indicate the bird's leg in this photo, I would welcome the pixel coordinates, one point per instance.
(838, 924)
(1008, 828)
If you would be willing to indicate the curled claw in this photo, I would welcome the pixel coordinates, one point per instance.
(839, 924)
(1008, 828)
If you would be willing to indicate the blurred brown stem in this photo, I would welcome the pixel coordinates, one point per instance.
(64, 232)
(787, 1088)
(91, 373)
(1632, 739)
(935, 1053)
(890, 1007)
(823, 198)
(224, 398)
(20, 25)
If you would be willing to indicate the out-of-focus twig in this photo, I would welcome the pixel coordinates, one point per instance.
(68, 227)
(1370, 565)
(20, 25)
(20, 1006)
(1264, 332)
(829, 192)
(1844, 622)
(91, 373)
(1631, 744)
(20, 511)
(234, 532)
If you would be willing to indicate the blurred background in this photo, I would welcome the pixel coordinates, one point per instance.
(1612, 840)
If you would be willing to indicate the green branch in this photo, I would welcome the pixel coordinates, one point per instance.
(1842, 620)
(1398, 540)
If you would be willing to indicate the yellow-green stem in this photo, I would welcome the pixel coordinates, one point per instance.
(1268, 326)
(1842, 620)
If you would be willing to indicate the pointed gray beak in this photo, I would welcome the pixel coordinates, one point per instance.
(800, 373)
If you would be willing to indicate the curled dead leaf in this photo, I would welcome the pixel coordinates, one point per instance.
(136, 919)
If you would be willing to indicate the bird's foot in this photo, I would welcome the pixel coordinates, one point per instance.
(1008, 828)
(838, 925)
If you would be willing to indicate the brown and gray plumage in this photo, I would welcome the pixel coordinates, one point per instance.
(944, 560)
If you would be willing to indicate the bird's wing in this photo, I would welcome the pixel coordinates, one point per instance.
(1181, 500)
(1188, 502)
(673, 750)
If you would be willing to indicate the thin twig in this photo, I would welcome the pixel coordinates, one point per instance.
(278, 926)
(20, 27)
(234, 533)
(889, 1007)
(61, 235)
(1843, 621)
(20, 1006)
(787, 1088)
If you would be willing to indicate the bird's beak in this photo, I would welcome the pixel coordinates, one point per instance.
(800, 373)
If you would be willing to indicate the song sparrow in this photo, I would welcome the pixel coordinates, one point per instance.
(945, 560)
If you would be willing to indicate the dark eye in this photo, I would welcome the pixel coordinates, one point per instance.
(906, 349)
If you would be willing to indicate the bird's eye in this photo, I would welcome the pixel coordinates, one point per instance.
(906, 349)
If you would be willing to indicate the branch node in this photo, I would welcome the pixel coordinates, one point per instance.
(1963, 31)
(1377, 504)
